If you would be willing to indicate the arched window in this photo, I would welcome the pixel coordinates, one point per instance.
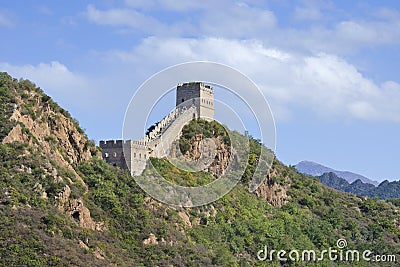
(106, 155)
(183, 100)
(134, 155)
(115, 154)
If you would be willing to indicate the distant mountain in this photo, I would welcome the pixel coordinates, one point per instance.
(316, 169)
(385, 190)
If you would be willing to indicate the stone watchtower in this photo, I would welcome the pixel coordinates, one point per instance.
(113, 153)
(199, 95)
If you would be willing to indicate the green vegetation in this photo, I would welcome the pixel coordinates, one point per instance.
(206, 130)
(228, 232)
(181, 177)
(7, 101)
(385, 190)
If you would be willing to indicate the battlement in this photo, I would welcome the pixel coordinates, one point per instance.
(119, 143)
(195, 86)
(111, 144)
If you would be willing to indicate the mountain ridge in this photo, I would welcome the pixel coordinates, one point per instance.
(385, 190)
(316, 169)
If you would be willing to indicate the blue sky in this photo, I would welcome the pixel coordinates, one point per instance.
(329, 69)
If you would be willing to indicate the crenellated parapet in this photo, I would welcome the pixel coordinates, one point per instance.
(163, 125)
(111, 144)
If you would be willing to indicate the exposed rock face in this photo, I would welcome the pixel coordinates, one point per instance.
(48, 129)
(99, 253)
(38, 188)
(16, 135)
(194, 152)
(61, 131)
(76, 209)
(222, 159)
(58, 136)
(83, 245)
(79, 212)
(272, 191)
(151, 240)
(210, 212)
(222, 154)
(185, 217)
(63, 197)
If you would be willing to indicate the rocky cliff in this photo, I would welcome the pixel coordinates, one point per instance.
(273, 191)
(273, 188)
(220, 152)
(53, 135)
(43, 124)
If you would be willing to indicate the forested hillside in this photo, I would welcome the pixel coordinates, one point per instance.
(385, 190)
(62, 205)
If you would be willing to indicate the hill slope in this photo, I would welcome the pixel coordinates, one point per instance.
(60, 205)
(385, 190)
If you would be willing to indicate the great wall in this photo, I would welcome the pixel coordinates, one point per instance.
(193, 100)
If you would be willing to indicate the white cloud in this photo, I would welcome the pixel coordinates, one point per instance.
(175, 5)
(169, 51)
(238, 21)
(126, 18)
(51, 75)
(246, 37)
(307, 13)
(45, 10)
(68, 88)
(5, 20)
(326, 32)
(385, 32)
(343, 37)
(324, 83)
(224, 18)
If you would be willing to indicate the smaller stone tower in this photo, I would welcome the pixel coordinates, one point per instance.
(199, 95)
(125, 154)
(113, 153)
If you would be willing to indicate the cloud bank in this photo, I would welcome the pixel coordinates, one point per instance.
(327, 84)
